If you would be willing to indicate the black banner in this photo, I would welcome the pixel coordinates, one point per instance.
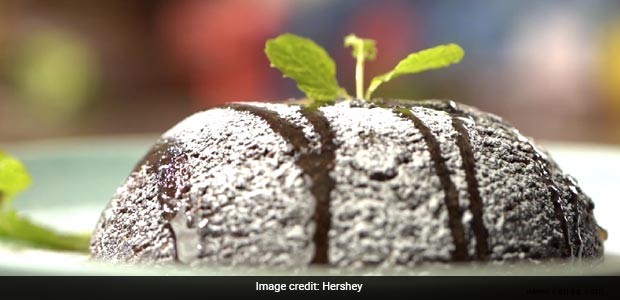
(389, 287)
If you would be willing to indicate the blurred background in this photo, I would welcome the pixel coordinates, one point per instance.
(84, 68)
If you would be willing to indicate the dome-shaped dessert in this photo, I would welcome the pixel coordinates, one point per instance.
(349, 185)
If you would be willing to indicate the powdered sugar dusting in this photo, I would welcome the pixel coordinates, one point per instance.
(398, 220)
(242, 199)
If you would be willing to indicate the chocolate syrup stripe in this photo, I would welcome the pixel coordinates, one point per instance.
(315, 164)
(323, 183)
(169, 154)
(469, 166)
(451, 198)
(475, 201)
(554, 191)
(545, 174)
(463, 141)
(575, 201)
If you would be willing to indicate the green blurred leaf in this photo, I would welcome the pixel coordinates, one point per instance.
(55, 72)
(14, 178)
(429, 59)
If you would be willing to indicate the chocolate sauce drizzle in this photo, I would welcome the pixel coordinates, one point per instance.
(545, 174)
(542, 163)
(315, 164)
(321, 164)
(544, 171)
(575, 202)
(463, 142)
(469, 166)
(451, 194)
(475, 201)
(169, 163)
(167, 160)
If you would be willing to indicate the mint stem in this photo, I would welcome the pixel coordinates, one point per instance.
(15, 227)
(359, 75)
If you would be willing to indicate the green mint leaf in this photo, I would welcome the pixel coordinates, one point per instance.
(13, 178)
(365, 49)
(429, 59)
(17, 228)
(307, 63)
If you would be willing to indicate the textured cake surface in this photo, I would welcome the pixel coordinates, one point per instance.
(348, 185)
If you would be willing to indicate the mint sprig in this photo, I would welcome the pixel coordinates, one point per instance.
(14, 178)
(315, 71)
